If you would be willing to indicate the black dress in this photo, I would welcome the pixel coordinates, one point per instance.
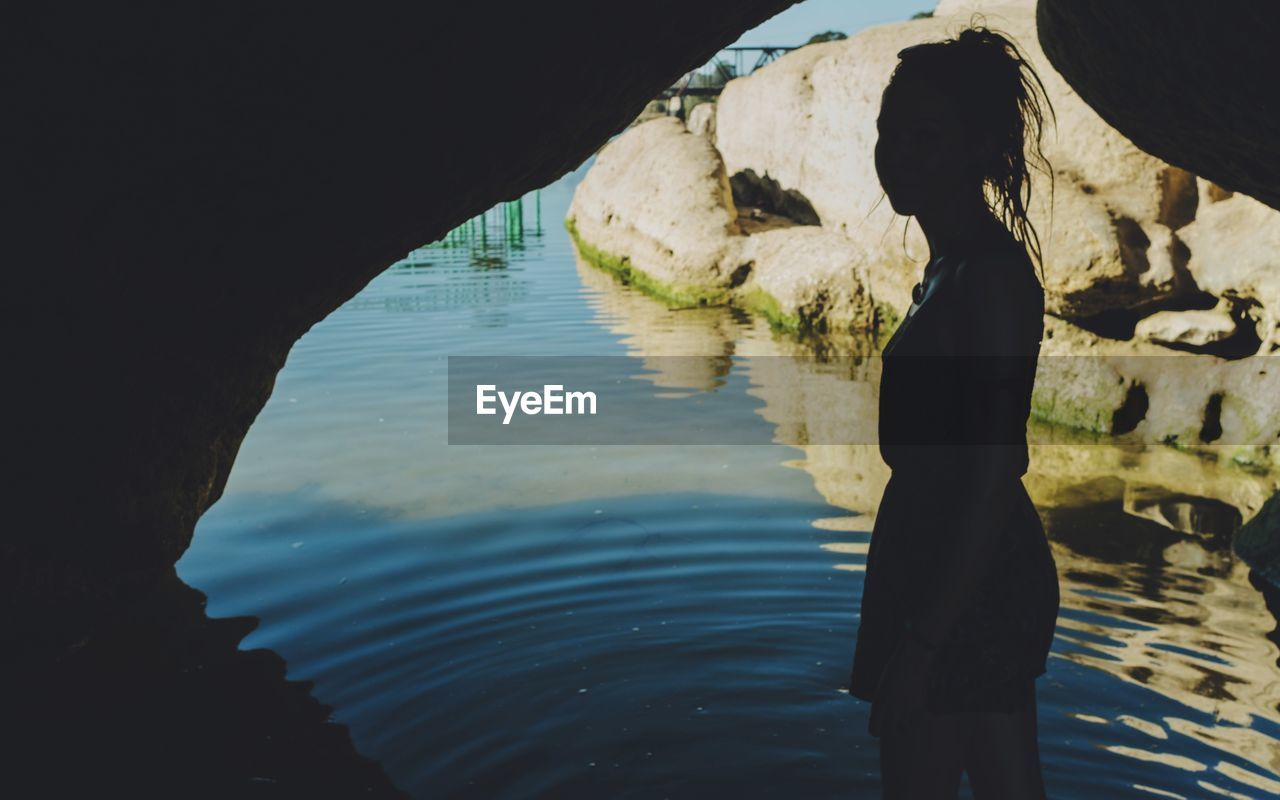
(956, 384)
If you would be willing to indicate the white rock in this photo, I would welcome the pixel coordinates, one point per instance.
(814, 274)
(702, 120)
(659, 196)
(808, 119)
(1235, 249)
(1196, 327)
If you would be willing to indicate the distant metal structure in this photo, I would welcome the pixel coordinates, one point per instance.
(724, 66)
(486, 239)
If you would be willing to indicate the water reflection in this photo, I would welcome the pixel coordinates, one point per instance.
(583, 621)
(510, 231)
(1177, 615)
(1152, 593)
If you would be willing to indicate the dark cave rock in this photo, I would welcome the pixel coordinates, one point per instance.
(1191, 83)
(191, 187)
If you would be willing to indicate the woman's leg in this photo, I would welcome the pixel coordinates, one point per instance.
(1002, 755)
(925, 761)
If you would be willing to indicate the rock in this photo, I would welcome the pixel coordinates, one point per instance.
(808, 120)
(808, 278)
(804, 127)
(1185, 489)
(766, 194)
(1075, 388)
(754, 220)
(160, 696)
(651, 110)
(829, 408)
(1258, 541)
(702, 120)
(1191, 83)
(1234, 248)
(656, 207)
(1144, 392)
(1197, 327)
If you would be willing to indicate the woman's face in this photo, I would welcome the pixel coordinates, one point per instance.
(922, 156)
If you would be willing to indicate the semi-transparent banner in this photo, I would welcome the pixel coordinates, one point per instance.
(1189, 400)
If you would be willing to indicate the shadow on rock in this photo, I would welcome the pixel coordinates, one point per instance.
(153, 697)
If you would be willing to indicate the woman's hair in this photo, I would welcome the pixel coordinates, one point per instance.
(998, 95)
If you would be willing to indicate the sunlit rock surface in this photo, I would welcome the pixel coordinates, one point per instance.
(1136, 387)
(656, 209)
(1200, 490)
(828, 408)
(808, 119)
(1128, 242)
(659, 198)
(1235, 253)
(816, 277)
(1194, 327)
(702, 120)
(1128, 295)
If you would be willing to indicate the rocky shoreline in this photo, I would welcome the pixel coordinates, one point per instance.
(1162, 289)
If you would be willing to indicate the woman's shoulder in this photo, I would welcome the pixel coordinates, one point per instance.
(1001, 297)
(1000, 276)
(1004, 265)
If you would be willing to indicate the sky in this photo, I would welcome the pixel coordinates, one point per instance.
(795, 25)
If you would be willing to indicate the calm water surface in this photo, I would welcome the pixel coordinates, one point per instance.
(510, 622)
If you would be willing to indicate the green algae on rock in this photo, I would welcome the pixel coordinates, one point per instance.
(621, 267)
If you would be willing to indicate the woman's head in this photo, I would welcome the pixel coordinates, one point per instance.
(955, 121)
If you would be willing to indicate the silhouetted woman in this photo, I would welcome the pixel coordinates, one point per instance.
(961, 590)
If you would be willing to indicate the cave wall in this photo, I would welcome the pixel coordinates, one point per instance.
(1190, 82)
(156, 699)
(191, 187)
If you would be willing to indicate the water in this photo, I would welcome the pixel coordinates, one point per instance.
(667, 621)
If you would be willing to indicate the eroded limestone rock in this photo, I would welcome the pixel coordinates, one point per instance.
(1194, 327)
(702, 120)
(656, 206)
(1234, 248)
(815, 277)
(808, 119)
(657, 209)
(1154, 395)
